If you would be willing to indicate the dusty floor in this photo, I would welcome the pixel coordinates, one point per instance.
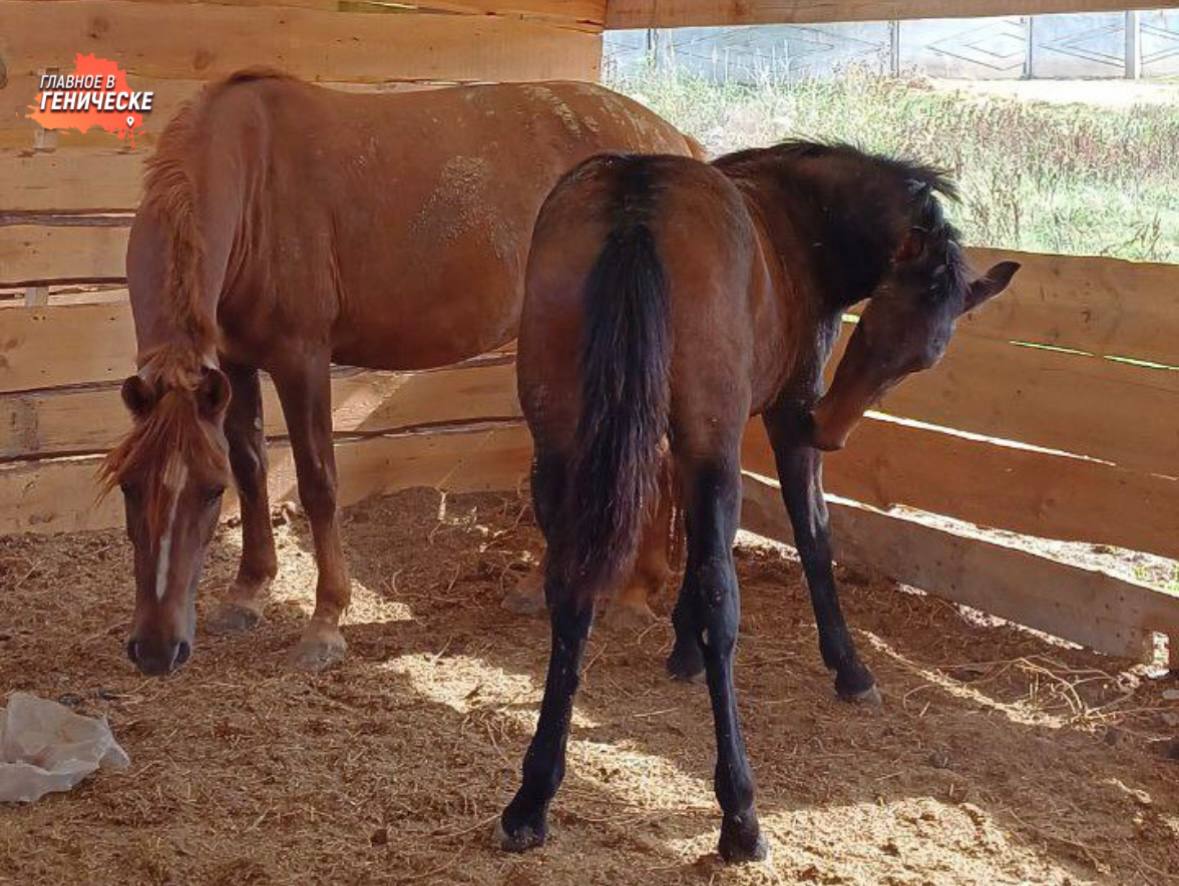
(992, 761)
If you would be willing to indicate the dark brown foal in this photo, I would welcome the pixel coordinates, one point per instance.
(667, 297)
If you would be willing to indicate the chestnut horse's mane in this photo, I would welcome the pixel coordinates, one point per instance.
(170, 188)
(174, 371)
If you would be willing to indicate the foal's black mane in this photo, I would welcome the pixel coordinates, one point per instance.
(859, 209)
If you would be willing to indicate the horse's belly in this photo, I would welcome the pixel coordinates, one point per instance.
(418, 328)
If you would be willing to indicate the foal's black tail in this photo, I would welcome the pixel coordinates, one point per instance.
(624, 393)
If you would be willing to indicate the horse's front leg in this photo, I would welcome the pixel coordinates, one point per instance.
(242, 607)
(800, 471)
(305, 392)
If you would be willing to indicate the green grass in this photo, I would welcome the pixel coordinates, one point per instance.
(1067, 178)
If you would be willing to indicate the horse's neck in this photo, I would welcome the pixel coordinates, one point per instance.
(827, 244)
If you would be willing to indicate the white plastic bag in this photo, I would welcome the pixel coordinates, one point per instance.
(44, 746)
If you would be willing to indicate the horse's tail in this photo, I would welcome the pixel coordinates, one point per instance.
(625, 357)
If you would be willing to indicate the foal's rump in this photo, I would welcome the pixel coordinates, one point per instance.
(630, 332)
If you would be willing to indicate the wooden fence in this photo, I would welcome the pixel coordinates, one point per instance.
(1055, 412)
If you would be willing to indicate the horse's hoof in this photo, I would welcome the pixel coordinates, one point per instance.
(855, 683)
(629, 617)
(522, 600)
(232, 618)
(521, 840)
(685, 667)
(741, 842)
(870, 697)
(319, 649)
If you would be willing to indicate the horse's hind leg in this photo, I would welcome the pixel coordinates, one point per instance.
(548, 479)
(523, 823)
(711, 610)
(242, 607)
(800, 471)
(305, 392)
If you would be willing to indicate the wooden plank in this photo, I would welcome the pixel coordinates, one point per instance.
(1097, 610)
(1099, 305)
(621, 14)
(65, 345)
(58, 495)
(1019, 490)
(17, 131)
(176, 40)
(1091, 406)
(587, 14)
(41, 255)
(71, 179)
(79, 421)
(75, 345)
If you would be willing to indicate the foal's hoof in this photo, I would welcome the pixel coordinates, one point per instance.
(870, 697)
(629, 617)
(319, 648)
(856, 684)
(526, 598)
(686, 664)
(233, 618)
(521, 839)
(741, 841)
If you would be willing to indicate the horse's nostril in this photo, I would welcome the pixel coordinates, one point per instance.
(183, 651)
(133, 651)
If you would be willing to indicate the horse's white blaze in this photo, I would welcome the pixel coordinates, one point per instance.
(175, 476)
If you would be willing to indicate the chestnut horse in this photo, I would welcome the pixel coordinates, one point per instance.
(284, 227)
(669, 297)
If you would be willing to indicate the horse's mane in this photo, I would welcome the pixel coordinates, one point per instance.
(909, 186)
(931, 178)
(170, 188)
(171, 426)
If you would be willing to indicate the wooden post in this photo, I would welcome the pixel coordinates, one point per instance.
(36, 296)
(1133, 46)
(894, 48)
(1029, 70)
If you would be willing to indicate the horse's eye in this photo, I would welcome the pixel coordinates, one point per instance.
(214, 493)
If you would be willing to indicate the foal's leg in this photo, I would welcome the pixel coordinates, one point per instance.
(710, 607)
(524, 821)
(305, 392)
(800, 471)
(242, 607)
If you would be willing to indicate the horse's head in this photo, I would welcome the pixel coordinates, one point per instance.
(910, 316)
(172, 469)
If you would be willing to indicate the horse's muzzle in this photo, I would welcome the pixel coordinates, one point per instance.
(156, 658)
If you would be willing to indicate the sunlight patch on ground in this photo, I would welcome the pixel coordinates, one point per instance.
(640, 781)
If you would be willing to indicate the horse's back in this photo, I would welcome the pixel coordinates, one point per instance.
(401, 222)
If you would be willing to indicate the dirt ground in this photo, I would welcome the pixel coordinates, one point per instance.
(996, 758)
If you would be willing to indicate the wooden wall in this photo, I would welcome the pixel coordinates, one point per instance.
(1055, 412)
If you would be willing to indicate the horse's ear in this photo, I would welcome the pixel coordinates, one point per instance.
(213, 393)
(138, 396)
(990, 284)
(911, 246)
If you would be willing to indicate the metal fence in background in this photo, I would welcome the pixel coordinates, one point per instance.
(1091, 45)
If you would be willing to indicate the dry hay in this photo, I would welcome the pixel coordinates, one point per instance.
(997, 757)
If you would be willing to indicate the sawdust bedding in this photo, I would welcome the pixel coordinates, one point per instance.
(997, 757)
